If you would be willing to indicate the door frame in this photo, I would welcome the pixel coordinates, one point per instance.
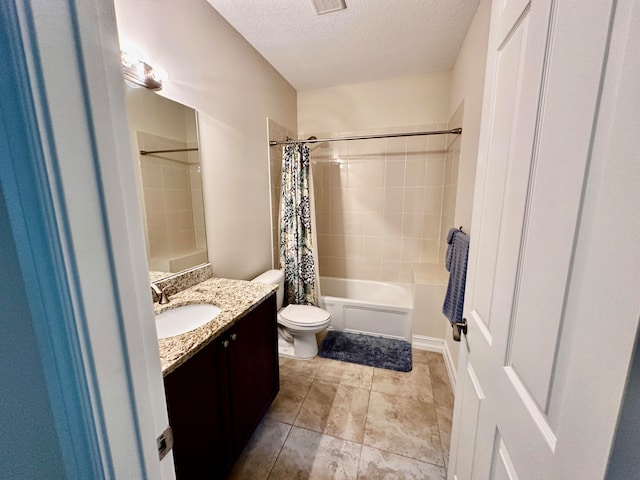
(68, 180)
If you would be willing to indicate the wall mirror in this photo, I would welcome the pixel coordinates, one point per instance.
(164, 137)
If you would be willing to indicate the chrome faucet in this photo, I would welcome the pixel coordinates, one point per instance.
(162, 295)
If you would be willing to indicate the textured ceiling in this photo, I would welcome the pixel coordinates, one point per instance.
(370, 40)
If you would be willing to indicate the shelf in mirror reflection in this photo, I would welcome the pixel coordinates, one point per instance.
(181, 261)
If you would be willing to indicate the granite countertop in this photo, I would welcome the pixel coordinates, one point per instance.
(234, 297)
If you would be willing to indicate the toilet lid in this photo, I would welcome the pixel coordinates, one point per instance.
(304, 314)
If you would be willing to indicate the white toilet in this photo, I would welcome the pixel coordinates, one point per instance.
(297, 324)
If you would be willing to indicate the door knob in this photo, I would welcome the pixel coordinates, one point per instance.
(225, 344)
(234, 336)
(459, 327)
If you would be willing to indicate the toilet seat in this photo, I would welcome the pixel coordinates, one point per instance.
(303, 316)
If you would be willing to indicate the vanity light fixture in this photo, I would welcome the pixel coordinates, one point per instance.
(140, 73)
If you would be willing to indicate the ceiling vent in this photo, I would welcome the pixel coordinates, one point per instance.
(326, 6)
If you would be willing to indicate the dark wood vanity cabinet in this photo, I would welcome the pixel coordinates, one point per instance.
(253, 369)
(217, 398)
(196, 408)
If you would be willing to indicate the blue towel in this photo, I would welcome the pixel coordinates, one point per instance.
(456, 263)
(450, 236)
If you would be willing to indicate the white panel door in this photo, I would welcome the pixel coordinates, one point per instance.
(544, 72)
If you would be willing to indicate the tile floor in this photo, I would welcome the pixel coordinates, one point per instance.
(336, 420)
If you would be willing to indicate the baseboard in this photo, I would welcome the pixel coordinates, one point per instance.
(430, 344)
(451, 368)
(438, 345)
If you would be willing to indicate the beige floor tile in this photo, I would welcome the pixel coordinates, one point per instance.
(334, 409)
(414, 384)
(436, 359)
(293, 390)
(345, 373)
(261, 452)
(424, 356)
(315, 410)
(444, 415)
(380, 465)
(404, 426)
(313, 456)
(296, 366)
(442, 394)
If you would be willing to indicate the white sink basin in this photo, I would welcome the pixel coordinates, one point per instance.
(184, 319)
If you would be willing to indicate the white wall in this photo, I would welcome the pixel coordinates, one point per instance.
(467, 84)
(214, 70)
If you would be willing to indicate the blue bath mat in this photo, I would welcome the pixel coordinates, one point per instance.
(379, 352)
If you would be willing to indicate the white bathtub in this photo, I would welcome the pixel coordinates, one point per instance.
(364, 306)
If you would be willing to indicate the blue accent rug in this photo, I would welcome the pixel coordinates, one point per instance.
(379, 352)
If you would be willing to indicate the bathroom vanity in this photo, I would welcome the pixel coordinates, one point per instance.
(221, 378)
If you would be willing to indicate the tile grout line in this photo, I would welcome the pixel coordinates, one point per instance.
(279, 452)
(407, 457)
(364, 429)
(359, 462)
(303, 400)
(435, 406)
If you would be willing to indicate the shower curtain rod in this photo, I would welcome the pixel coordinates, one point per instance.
(149, 152)
(453, 131)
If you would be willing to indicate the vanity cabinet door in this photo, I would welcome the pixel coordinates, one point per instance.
(196, 398)
(253, 369)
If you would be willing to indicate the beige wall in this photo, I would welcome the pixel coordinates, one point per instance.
(417, 100)
(379, 201)
(467, 84)
(214, 70)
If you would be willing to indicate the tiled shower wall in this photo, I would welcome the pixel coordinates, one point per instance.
(379, 203)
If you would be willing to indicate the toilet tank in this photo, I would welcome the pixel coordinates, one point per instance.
(275, 277)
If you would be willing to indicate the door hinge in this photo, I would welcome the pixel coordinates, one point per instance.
(165, 442)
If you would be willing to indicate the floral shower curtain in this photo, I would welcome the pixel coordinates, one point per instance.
(297, 244)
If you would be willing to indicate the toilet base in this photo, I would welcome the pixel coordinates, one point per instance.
(303, 346)
(285, 348)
